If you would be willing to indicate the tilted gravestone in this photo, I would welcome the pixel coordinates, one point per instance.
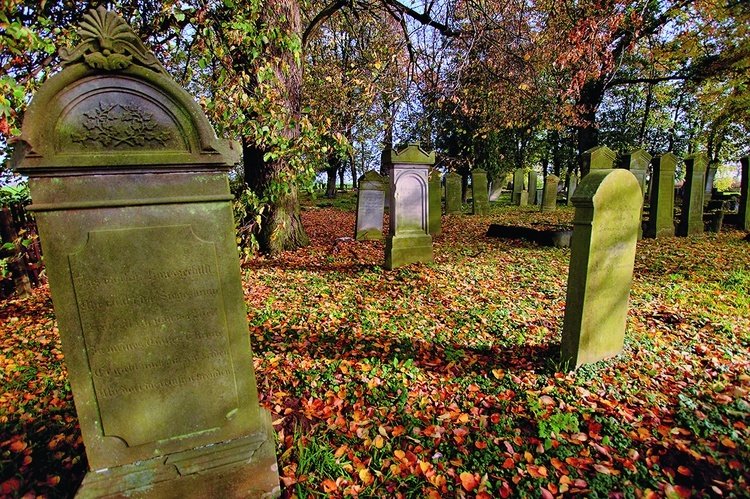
(370, 207)
(496, 191)
(661, 211)
(571, 188)
(452, 193)
(518, 187)
(637, 162)
(605, 231)
(479, 195)
(436, 202)
(532, 187)
(744, 208)
(549, 194)
(691, 216)
(408, 240)
(131, 197)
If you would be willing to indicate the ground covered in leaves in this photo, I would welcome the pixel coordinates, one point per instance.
(441, 380)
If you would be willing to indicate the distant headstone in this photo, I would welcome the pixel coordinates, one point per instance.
(532, 187)
(370, 207)
(479, 196)
(710, 176)
(691, 217)
(452, 193)
(496, 190)
(132, 201)
(598, 158)
(518, 178)
(549, 195)
(661, 212)
(637, 162)
(744, 208)
(572, 185)
(523, 199)
(408, 239)
(605, 230)
(436, 202)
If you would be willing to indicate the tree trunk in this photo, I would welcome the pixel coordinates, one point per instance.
(588, 131)
(331, 182)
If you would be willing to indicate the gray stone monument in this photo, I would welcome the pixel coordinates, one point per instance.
(744, 209)
(408, 239)
(691, 216)
(370, 207)
(518, 187)
(436, 202)
(131, 197)
(661, 211)
(496, 191)
(479, 195)
(549, 194)
(571, 188)
(532, 187)
(605, 230)
(452, 193)
(637, 162)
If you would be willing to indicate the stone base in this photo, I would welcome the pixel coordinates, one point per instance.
(658, 233)
(403, 250)
(245, 467)
(693, 229)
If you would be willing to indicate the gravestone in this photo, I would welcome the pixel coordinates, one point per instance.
(436, 202)
(691, 217)
(479, 197)
(602, 255)
(523, 199)
(532, 187)
(452, 193)
(598, 158)
(744, 208)
(637, 162)
(572, 184)
(549, 194)
(661, 211)
(408, 239)
(711, 170)
(370, 207)
(496, 190)
(131, 197)
(518, 187)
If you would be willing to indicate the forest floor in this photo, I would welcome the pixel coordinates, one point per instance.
(442, 379)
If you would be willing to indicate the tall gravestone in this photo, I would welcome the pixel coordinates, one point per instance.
(370, 207)
(637, 162)
(479, 195)
(744, 208)
(408, 239)
(532, 187)
(602, 255)
(661, 211)
(452, 193)
(518, 187)
(436, 202)
(549, 194)
(691, 216)
(131, 197)
(572, 185)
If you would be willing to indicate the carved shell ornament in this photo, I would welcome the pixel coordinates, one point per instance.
(109, 43)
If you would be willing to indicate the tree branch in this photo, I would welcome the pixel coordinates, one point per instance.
(321, 17)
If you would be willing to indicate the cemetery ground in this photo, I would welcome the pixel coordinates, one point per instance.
(441, 380)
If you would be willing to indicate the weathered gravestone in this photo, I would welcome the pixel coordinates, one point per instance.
(532, 187)
(691, 216)
(605, 230)
(711, 170)
(744, 208)
(572, 185)
(436, 202)
(496, 191)
(452, 193)
(549, 195)
(370, 207)
(637, 162)
(523, 199)
(131, 197)
(518, 187)
(661, 210)
(598, 158)
(408, 239)
(479, 196)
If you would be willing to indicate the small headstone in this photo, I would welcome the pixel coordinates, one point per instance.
(452, 193)
(549, 194)
(744, 208)
(572, 185)
(479, 195)
(602, 255)
(637, 162)
(518, 178)
(408, 240)
(661, 210)
(691, 217)
(370, 207)
(131, 196)
(532, 187)
(523, 199)
(436, 202)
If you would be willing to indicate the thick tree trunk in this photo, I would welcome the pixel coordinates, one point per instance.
(331, 182)
(588, 131)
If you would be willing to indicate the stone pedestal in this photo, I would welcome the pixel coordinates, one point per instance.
(436, 203)
(744, 209)
(605, 230)
(479, 195)
(532, 187)
(370, 207)
(661, 213)
(637, 162)
(408, 240)
(691, 217)
(549, 194)
(452, 193)
(131, 197)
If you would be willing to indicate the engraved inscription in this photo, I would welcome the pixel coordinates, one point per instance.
(152, 315)
(115, 125)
